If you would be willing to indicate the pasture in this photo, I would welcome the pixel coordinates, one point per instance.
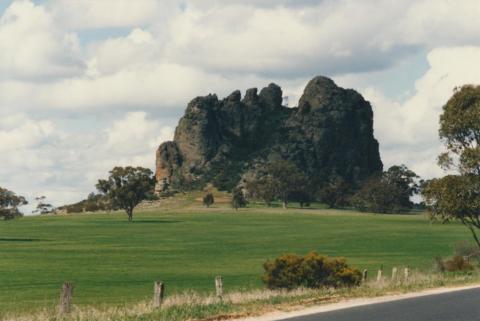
(112, 261)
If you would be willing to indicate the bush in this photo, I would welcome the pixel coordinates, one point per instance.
(467, 249)
(311, 271)
(238, 199)
(208, 200)
(456, 264)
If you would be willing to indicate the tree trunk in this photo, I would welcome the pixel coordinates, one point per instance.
(130, 215)
(285, 201)
(474, 234)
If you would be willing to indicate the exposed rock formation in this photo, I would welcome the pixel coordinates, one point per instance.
(329, 135)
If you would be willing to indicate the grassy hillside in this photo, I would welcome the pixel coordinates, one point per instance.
(113, 261)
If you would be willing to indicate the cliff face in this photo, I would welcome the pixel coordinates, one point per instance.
(329, 135)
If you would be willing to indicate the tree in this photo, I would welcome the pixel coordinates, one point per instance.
(260, 188)
(9, 204)
(457, 197)
(336, 194)
(377, 196)
(406, 181)
(281, 180)
(43, 207)
(302, 196)
(127, 186)
(208, 199)
(388, 192)
(238, 198)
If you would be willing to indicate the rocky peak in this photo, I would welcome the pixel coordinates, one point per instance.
(272, 96)
(329, 135)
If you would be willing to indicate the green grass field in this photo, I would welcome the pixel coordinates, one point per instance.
(112, 261)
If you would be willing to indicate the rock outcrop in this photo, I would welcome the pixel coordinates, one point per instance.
(328, 136)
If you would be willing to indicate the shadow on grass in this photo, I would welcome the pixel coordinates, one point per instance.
(5, 239)
(155, 221)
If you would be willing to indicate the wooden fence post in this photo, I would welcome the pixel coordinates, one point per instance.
(66, 297)
(394, 273)
(406, 273)
(219, 286)
(364, 276)
(379, 275)
(158, 293)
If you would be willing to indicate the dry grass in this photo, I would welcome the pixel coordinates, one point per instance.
(195, 306)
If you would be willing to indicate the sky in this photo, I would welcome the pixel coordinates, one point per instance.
(86, 85)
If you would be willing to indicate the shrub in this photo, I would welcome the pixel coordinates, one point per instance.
(458, 263)
(208, 200)
(311, 271)
(238, 199)
(467, 249)
(455, 264)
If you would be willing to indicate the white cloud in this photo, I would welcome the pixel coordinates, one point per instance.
(22, 133)
(408, 130)
(441, 23)
(333, 37)
(64, 166)
(87, 14)
(135, 134)
(115, 54)
(33, 48)
(176, 50)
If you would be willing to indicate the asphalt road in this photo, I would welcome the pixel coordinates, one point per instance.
(453, 306)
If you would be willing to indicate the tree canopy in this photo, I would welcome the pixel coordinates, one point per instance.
(126, 187)
(280, 180)
(460, 130)
(9, 204)
(43, 207)
(336, 194)
(458, 196)
(455, 197)
(388, 192)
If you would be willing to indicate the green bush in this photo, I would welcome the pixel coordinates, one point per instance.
(311, 271)
(208, 200)
(238, 198)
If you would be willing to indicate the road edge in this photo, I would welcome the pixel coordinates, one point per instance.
(351, 303)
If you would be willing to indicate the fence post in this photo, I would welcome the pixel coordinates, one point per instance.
(158, 293)
(364, 277)
(219, 286)
(394, 273)
(379, 275)
(66, 297)
(406, 273)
